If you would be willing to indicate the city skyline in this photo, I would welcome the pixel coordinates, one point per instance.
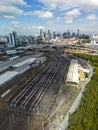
(28, 17)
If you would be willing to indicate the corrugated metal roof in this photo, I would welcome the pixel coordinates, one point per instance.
(7, 76)
(73, 75)
(28, 61)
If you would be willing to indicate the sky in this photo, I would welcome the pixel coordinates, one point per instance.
(29, 16)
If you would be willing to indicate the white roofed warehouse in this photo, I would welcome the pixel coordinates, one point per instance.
(73, 76)
(7, 76)
(27, 61)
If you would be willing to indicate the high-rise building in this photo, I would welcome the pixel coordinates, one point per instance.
(44, 34)
(13, 39)
(41, 33)
(54, 35)
(49, 34)
(31, 39)
(68, 34)
(78, 33)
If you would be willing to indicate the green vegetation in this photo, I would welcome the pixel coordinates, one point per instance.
(86, 116)
(86, 40)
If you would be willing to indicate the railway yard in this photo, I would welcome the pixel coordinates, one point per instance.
(30, 99)
(37, 96)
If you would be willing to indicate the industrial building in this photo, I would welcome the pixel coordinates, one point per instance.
(13, 58)
(19, 65)
(27, 61)
(7, 76)
(41, 60)
(11, 52)
(73, 76)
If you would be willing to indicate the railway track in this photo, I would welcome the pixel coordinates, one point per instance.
(29, 98)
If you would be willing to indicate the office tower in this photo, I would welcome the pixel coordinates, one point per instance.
(44, 34)
(41, 33)
(13, 39)
(78, 33)
(68, 34)
(54, 35)
(31, 39)
(49, 35)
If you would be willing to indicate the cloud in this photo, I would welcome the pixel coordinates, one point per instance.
(50, 23)
(92, 23)
(92, 17)
(70, 15)
(13, 2)
(69, 21)
(10, 9)
(53, 4)
(88, 4)
(38, 27)
(74, 12)
(41, 14)
(15, 24)
(63, 4)
(7, 16)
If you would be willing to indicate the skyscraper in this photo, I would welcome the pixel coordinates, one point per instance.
(13, 39)
(41, 33)
(68, 34)
(49, 34)
(78, 33)
(54, 35)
